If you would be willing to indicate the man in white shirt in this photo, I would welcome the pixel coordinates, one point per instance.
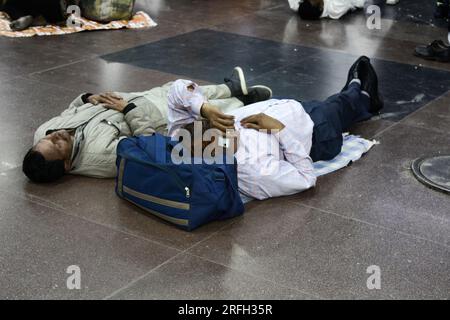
(280, 139)
(333, 9)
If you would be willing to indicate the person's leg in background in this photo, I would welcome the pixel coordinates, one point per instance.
(221, 97)
(13, 9)
(442, 9)
(235, 93)
(21, 12)
(24, 13)
(437, 50)
(448, 17)
(51, 10)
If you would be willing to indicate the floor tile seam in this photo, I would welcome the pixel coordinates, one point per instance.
(359, 221)
(132, 282)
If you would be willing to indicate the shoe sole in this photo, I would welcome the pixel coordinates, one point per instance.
(263, 87)
(438, 59)
(241, 76)
(377, 102)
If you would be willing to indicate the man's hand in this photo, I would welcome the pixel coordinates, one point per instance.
(262, 121)
(96, 99)
(217, 118)
(112, 101)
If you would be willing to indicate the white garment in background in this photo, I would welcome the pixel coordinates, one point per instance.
(294, 4)
(335, 9)
(269, 165)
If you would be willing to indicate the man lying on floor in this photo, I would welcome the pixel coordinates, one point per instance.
(333, 9)
(297, 133)
(83, 139)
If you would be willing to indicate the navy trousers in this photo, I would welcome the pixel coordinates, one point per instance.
(333, 117)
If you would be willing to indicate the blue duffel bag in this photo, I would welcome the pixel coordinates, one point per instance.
(187, 195)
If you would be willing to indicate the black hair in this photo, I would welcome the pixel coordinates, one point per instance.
(39, 170)
(309, 12)
(190, 127)
(206, 125)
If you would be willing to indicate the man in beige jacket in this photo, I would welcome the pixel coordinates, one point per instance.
(83, 139)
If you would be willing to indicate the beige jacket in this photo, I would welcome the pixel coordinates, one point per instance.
(98, 130)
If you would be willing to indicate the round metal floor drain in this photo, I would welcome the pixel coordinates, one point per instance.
(433, 171)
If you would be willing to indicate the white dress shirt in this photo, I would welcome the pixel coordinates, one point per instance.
(269, 165)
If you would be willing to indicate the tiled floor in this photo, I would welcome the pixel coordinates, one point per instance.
(317, 244)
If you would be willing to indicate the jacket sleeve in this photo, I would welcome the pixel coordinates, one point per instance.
(138, 121)
(78, 102)
(281, 177)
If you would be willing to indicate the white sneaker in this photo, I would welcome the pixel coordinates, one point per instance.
(392, 2)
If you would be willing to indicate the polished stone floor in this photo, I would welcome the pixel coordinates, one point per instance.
(314, 245)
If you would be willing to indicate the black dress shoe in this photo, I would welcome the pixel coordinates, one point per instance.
(436, 51)
(353, 72)
(236, 83)
(370, 85)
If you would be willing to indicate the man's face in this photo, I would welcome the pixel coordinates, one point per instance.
(56, 146)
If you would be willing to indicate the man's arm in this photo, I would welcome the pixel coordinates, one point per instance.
(279, 177)
(136, 118)
(186, 103)
(76, 103)
(85, 98)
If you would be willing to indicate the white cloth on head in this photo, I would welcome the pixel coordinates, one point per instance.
(184, 104)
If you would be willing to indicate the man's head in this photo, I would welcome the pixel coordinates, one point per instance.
(204, 135)
(310, 9)
(50, 158)
(197, 141)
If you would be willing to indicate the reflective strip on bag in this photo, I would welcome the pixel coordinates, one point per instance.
(161, 201)
(177, 221)
(120, 177)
